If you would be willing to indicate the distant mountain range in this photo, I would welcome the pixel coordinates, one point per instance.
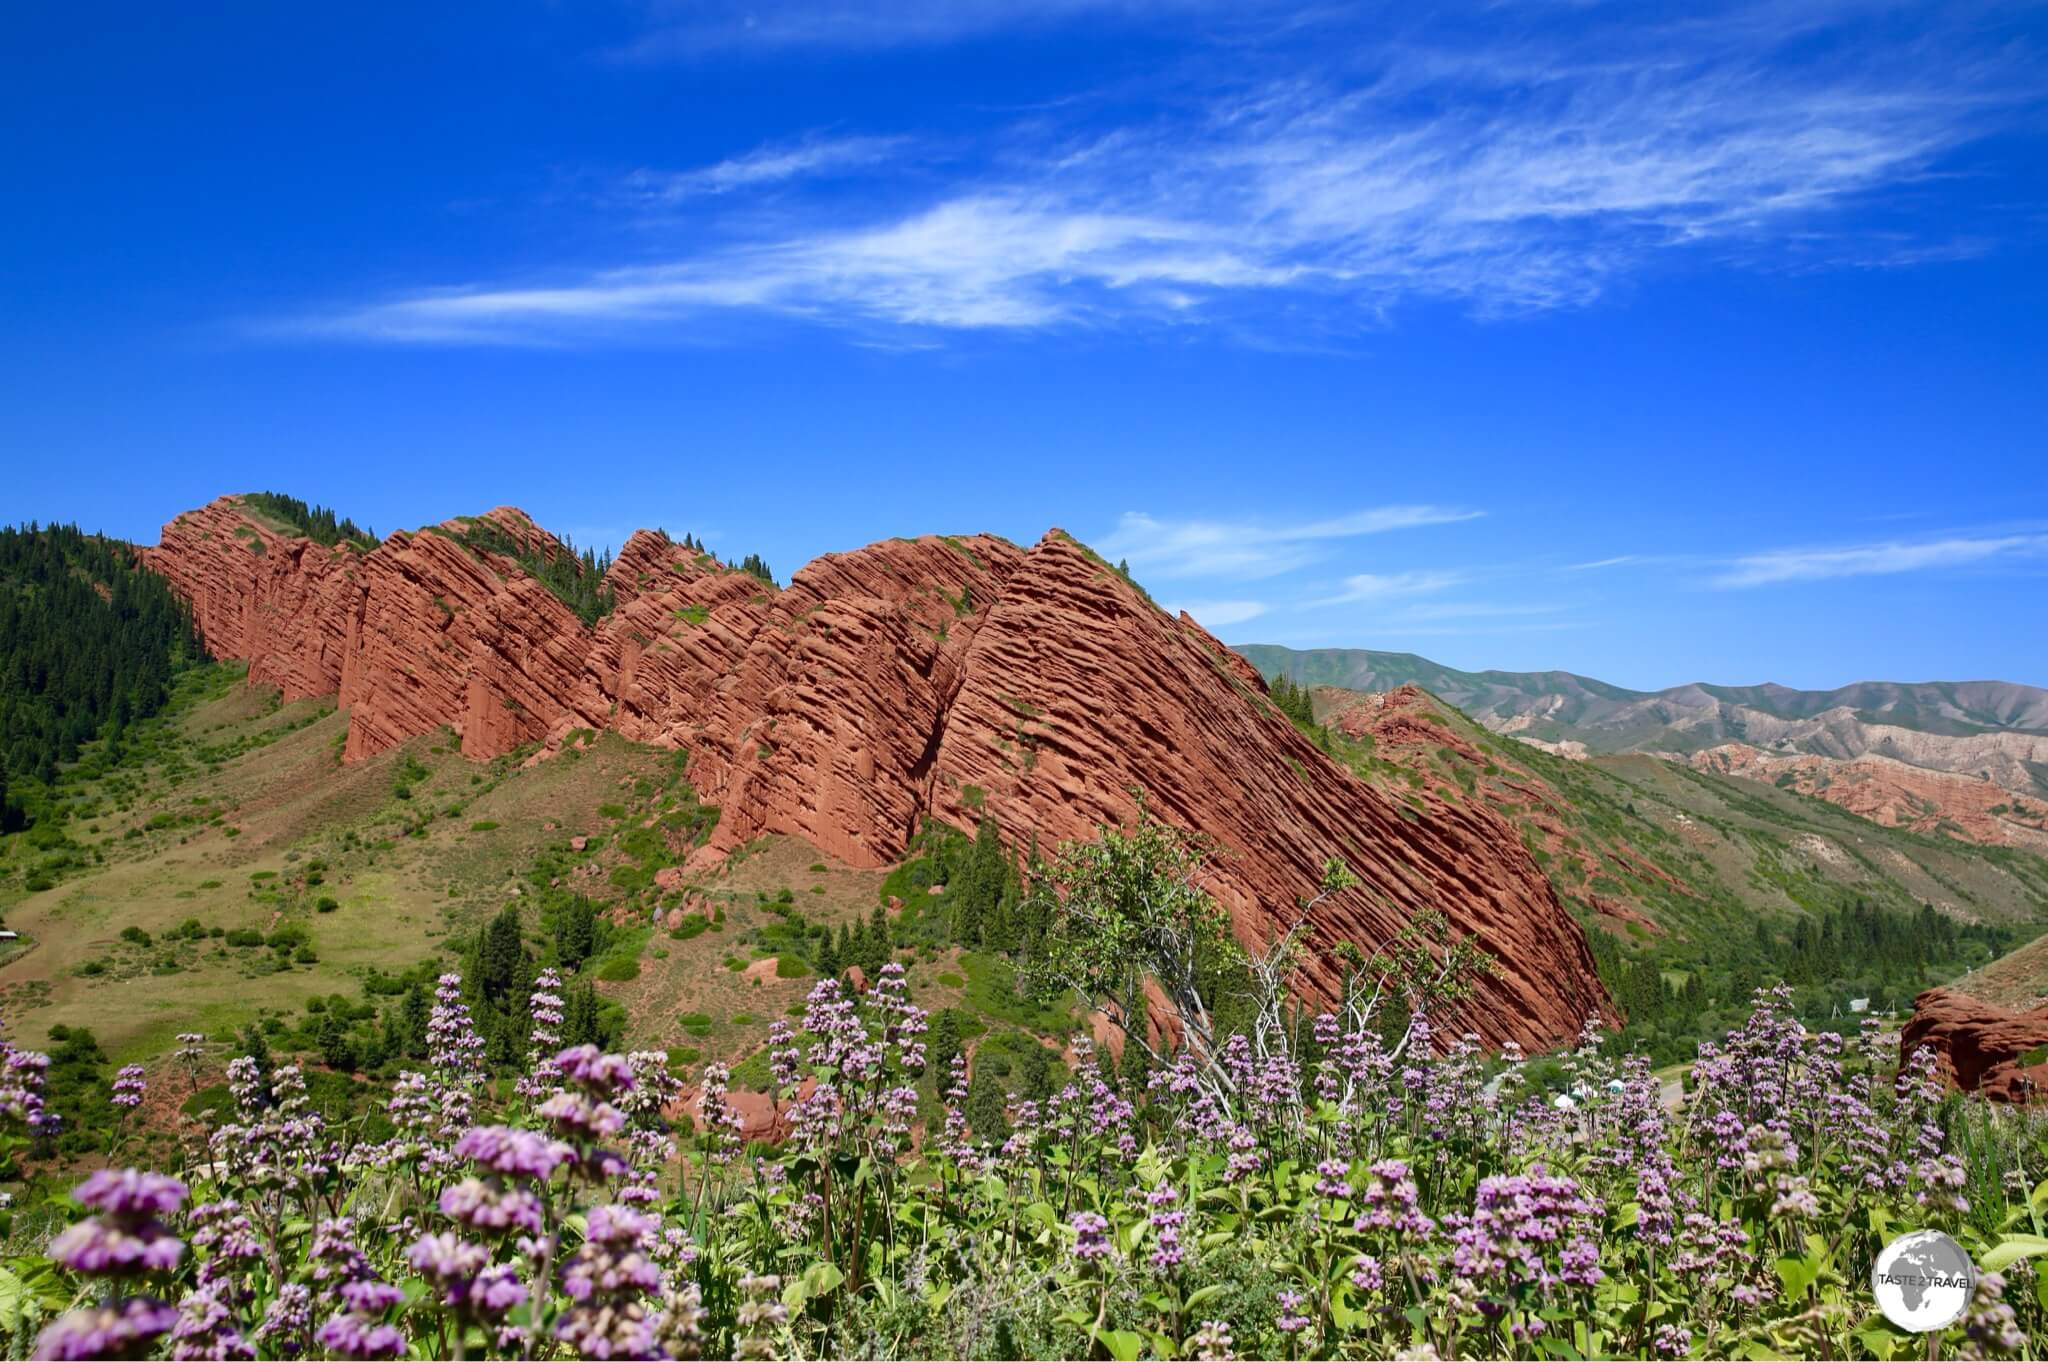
(1915, 754)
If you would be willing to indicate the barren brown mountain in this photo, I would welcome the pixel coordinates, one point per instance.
(1966, 760)
(937, 677)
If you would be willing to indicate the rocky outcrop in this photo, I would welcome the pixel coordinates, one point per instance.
(1981, 1047)
(1895, 794)
(1411, 728)
(930, 678)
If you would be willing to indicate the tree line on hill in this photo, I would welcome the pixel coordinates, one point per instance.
(1857, 947)
(1293, 701)
(575, 579)
(321, 524)
(90, 642)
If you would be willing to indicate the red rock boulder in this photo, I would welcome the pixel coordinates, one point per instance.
(1981, 1047)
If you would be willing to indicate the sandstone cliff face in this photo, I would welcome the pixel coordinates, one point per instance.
(1894, 794)
(938, 677)
(1982, 1047)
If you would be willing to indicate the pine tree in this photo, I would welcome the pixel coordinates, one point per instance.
(412, 1021)
(987, 1106)
(582, 1020)
(376, 1047)
(1034, 1079)
(499, 957)
(258, 1050)
(943, 1044)
(829, 962)
(504, 1039)
(875, 949)
(337, 1051)
(575, 932)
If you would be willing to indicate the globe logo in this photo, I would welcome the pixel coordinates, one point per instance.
(1923, 1281)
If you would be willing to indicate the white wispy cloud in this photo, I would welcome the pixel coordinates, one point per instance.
(1215, 615)
(1247, 550)
(805, 159)
(697, 27)
(1598, 563)
(1494, 170)
(1472, 610)
(1864, 560)
(1386, 586)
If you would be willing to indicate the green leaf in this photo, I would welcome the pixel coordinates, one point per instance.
(2011, 1249)
(1195, 1298)
(1123, 1345)
(822, 1279)
(1557, 1347)
(13, 1301)
(43, 1281)
(1797, 1274)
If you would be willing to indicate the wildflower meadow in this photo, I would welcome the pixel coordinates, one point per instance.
(1334, 1188)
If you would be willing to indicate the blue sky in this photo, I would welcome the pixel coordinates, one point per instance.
(1524, 335)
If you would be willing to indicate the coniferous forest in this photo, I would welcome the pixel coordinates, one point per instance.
(320, 524)
(576, 579)
(89, 643)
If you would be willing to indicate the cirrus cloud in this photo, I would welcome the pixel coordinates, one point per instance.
(1882, 559)
(1246, 550)
(1335, 177)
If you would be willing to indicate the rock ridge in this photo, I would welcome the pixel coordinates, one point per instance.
(941, 677)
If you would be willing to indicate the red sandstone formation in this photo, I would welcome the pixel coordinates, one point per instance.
(1980, 1045)
(1894, 794)
(935, 677)
(1399, 722)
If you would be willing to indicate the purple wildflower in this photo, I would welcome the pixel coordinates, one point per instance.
(128, 1328)
(1091, 1237)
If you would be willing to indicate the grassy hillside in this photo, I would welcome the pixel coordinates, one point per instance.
(2018, 980)
(227, 871)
